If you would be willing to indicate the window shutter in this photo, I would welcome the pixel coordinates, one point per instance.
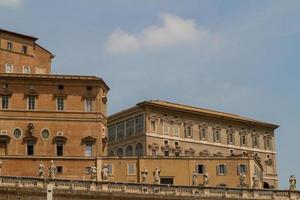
(238, 170)
(225, 169)
(204, 169)
(218, 169)
(246, 168)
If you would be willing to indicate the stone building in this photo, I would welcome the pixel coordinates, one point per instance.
(63, 118)
(163, 129)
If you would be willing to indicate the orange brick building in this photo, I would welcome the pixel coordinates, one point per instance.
(46, 117)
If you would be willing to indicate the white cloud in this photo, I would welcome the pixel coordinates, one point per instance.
(10, 3)
(174, 30)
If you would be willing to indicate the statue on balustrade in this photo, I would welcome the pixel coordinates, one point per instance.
(194, 178)
(254, 181)
(293, 182)
(105, 172)
(52, 170)
(243, 180)
(205, 179)
(144, 175)
(156, 176)
(41, 170)
(94, 173)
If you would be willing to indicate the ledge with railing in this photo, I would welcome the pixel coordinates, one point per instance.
(146, 189)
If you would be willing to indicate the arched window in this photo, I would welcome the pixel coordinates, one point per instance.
(120, 152)
(129, 151)
(139, 149)
(111, 153)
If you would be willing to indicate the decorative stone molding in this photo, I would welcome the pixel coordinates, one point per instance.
(218, 154)
(60, 138)
(6, 92)
(5, 138)
(204, 152)
(188, 123)
(88, 139)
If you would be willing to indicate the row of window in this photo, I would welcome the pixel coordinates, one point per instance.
(32, 103)
(221, 169)
(126, 128)
(59, 148)
(138, 151)
(10, 47)
(9, 68)
(203, 134)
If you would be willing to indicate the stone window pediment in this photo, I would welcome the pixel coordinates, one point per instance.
(88, 139)
(204, 153)
(5, 138)
(6, 92)
(153, 146)
(30, 138)
(60, 138)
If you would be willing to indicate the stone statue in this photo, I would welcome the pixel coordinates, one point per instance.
(41, 170)
(94, 173)
(52, 170)
(293, 182)
(144, 175)
(105, 172)
(255, 181)
(156, 176)
(30, 128)
(194, 178)
(243, 180)
(205, 179)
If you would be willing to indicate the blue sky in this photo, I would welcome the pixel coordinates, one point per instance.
(235, 56)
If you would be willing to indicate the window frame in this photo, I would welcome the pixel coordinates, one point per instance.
(88, 104)
(32, 144)
(129, 165)
(13, 133)
(224, 171)
(60, 103)
(9, 46)
(88, 147)
(3, 102)
(57, 144)
(29, 70)
(190, 128)
(31, 106)
(203, 168)
(7, 65)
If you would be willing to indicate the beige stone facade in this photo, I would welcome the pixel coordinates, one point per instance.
(164, 129)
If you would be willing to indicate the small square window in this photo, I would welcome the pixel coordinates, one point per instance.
(9, 68)
(166, 142)
(88, 88)
(221, 169)
(26, 70)
(200, 169)
(131, 169)
(59, 169)
(60, 87)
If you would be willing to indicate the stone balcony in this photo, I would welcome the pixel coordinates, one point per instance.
(91, 189)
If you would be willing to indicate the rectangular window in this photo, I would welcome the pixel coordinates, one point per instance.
(166, 153)
(166, 128)
(188, 131)
(255, 142)
(110, 169)
(153, 126)
(9, 46)
(139, 124)
(202, 133)
(268, 143)
(176, 144)
(88, 149)
(5, 102)
(176, 130)
(230, 138)
(242, 168)
(59, 149)
(87, 170)
(131, 169)
(243, 140)
(129, 127)
(59, 169)
(166, 142)
(217, 136)
(26, 70)
(60, 103)
(24, 50)
(30, 148)
(221, 170)
(112, 133)
(200, 169)
(31, 102)
(89, 104)
(120, 130)
(9, 68)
